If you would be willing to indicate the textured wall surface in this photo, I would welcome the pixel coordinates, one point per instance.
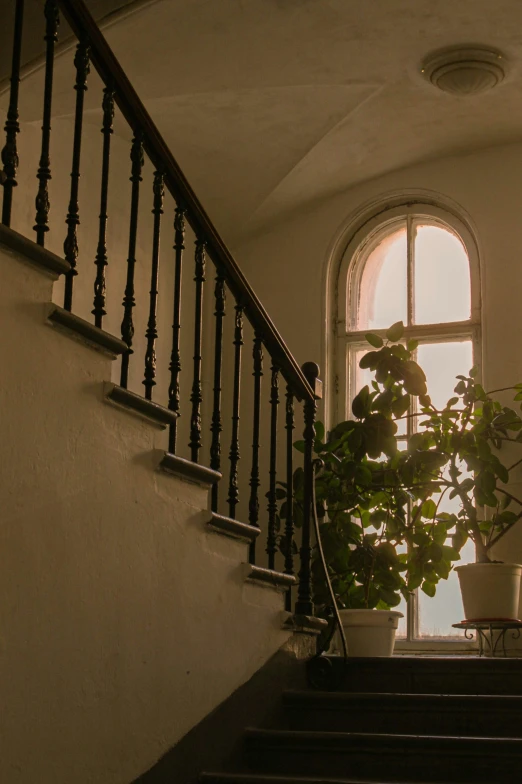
(122, 621)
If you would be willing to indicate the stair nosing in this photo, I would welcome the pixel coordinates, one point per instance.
(227, 526)
(186, 469)
(87, 333)
(323, 735)
(340, 697)
(138, 405)
(269, 577)
(41, 258)
(268, 779)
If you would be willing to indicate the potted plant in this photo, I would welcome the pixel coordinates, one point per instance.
(470, 433)
(371, 508)
(381, 526)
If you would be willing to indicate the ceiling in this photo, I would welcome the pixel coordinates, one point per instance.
(270, 104)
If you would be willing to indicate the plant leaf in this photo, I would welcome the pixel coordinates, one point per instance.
(374, 340)
(395, 332)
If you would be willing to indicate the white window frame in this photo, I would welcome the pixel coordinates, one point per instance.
(348, 339)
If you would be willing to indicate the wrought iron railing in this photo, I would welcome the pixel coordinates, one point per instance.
(301, 384)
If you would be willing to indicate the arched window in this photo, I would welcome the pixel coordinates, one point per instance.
(416, 264)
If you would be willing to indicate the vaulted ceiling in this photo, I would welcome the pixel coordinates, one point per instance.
(270, 104)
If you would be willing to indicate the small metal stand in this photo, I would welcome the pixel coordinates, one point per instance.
(491, 635)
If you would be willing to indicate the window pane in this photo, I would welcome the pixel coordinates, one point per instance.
(402, 628)
(442, 280)
(383, 289)
(442, 362)
(437, 614)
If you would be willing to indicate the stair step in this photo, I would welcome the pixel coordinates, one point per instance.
(425, 675)
(397, 758)
(248, 778)
(405, 714)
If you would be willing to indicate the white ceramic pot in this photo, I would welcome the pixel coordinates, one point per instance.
(370, 632)
(490, 590)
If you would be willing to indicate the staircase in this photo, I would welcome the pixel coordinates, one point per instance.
(406, 719)
(148, 419)
(134, 598)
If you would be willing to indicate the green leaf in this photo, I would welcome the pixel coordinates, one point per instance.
(416, 441)
(487, 482)
(363, 475)
(395, 332)
(360, 403)
(374, 340)
(501, 471)
(414, 580)
(450, 553)
(412, 344)
(429, 588)
(483, 449)
(428, 509)
(400, 405)
(390, 598)
(369, 360)
(507, 518)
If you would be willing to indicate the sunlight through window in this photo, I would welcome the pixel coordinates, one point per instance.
(416, 269)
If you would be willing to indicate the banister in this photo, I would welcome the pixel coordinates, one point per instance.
(108, 67)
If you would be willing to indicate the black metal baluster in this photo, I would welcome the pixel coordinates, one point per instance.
(152, 327)
(304, 604)
(41, 226)
(12, 126)
(253, 504)
(175, 357)
(234, 454)
(127, 325)
(271, 544)
(216, 428)
(98, 310)
(70, 246)
(289, 526)
(196, 397)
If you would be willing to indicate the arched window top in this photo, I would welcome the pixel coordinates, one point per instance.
(413, 269)
(416, 262)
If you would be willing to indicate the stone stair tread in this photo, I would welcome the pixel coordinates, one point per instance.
(457, 675)
(398, 661)
(313, 698)
(254, 778)
(332, 738)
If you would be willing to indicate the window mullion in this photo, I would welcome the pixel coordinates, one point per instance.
(423, 332)
(412, 621)
(410, 268)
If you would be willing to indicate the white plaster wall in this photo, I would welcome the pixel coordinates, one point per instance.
(23, 219)
(288, 263)
(29, 141)
(122, 621)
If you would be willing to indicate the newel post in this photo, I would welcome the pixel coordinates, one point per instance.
(304, 604)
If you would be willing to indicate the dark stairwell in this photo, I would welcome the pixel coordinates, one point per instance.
(404, 719)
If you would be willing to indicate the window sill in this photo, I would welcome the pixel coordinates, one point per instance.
(438, 646)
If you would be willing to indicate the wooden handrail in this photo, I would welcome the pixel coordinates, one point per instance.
(109, 69)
